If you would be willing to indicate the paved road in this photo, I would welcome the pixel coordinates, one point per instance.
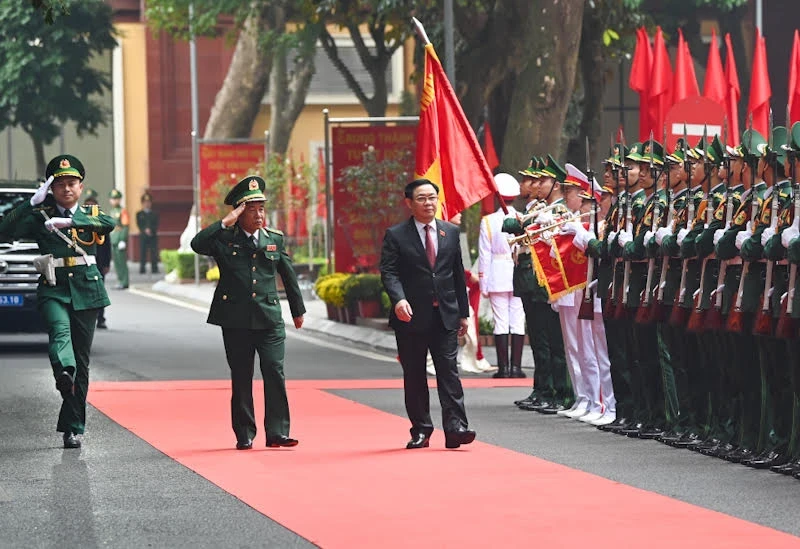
(120, 492)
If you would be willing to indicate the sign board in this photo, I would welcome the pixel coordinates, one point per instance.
(230, 160)
(698, 114)
(358, 233)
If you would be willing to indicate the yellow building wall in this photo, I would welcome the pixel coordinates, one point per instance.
(134, 73)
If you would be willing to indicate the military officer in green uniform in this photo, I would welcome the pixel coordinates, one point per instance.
(119, 238)
(147, 221)
(70, 290)
(246, 306)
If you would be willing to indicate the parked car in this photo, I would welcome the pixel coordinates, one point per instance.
(18, 277)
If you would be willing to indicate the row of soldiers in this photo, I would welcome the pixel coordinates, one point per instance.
(695, 264)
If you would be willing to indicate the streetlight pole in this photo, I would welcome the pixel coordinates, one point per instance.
(195, 125)
(449, 43)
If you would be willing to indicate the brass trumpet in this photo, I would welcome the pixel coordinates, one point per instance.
(538, 208)
(532, 237)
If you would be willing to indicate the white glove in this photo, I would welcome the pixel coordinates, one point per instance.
(545, 218)
(40, 194)
(554, 306)
(582, 238)
(788, 235)
(121, 245)
(592, 285)
(741, 237)
(768, 233)
(682, 235)
(661, 233)
(572, 227)
(624, 238)
(56, 223)
(749, 227)
(718, 235)
(612, 235)
(648, 236)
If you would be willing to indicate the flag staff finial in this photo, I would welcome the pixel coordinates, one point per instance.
(420, 30)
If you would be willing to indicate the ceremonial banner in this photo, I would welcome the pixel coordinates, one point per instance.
(230, 160)
(560, 265)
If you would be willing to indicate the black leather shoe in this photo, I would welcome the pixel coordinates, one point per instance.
(739, 455)
(796, 474)
(535, 406)
(101, 325)
(632, 430)
(281, 441)
(454, 439)
(244, 444)
(65, 384)
(618, 423)
(516, 372)
(552, 409)
(720, 450)
(767, 461)
(687, 440)
(787, 468)
(650, 432)
(420, 440)
(71, 441)
(527, 400)
(669, 436)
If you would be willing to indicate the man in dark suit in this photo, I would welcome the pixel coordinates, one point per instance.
(423, 274)
(246, 306)
(147, 221)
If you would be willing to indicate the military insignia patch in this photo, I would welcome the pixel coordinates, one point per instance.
(253, 185)
(272, 247)
(719, 213)
(64, 163)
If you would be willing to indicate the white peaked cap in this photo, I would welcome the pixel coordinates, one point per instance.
(507, 185)
(577, 177)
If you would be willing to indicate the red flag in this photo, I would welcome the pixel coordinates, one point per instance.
(685, 79)
(448, 152)
(660, 83)
(794, 82)
(487, 204)
(732, 93)
(639, 80)
(760, 90)
(714, 86)
(560, 265)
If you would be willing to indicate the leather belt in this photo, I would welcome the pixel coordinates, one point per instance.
(74, 261)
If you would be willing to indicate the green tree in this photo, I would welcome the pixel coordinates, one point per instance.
(50, 8)
(45, 71)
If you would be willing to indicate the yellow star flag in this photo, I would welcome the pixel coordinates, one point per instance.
(448, 152)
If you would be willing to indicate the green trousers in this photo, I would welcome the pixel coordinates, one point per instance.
(120, 258)
(70, 334)
(241, 346)
(550, 379)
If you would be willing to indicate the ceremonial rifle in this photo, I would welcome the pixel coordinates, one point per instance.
(610, 307)
(678, 314)
(735, 320)
(763, 324)
(697, 316)
(586, 311)
(626, 277)
(713, 319)
(787, 326)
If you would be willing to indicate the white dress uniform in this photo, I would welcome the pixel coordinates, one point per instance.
(496, 273)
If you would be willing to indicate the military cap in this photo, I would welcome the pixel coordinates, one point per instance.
(507, 185)
(780, 137)
(596, 192)
(576, 178)
(115, 193)
(553, 169)
(249, 189)
(734, 152)
(89, 194)
(533, 168)
(147, 196)
(617, 154)
(644, 153)
(65, 164)
(793, 143)
(715, 151)
(751, 141)
(677, 155)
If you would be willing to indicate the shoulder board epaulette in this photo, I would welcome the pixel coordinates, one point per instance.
(276, 231)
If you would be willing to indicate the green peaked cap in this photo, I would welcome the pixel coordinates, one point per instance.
(65, 164)
(89, 194)
(249, 189)
(715, 150)
(676, 156)
(533, 168)
(751, 141)
(642, 153)
(617, 154)
(794, 138)
(553, 169)
(780, 137)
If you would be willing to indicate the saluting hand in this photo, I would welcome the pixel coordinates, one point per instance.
(233, 215)
(41, 193)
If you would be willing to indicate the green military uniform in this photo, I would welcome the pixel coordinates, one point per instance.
(69, 307)
(119, 241)
(147, 222)
(247, 307)
(550, 382)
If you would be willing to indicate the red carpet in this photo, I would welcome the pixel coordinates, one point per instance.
(350, 483)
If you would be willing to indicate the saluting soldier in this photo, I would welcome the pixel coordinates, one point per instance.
(70, 290)
(147, 221)
(246, 306)
(119, 238)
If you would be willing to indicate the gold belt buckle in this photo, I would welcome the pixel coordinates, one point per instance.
(70, 261)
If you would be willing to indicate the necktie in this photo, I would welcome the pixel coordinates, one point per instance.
(67, 213)
(255, 240)
(430, 251)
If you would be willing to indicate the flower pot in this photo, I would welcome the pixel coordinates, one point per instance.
(332, 315)
(352, 313)
(486, 340)
(369, 309)
(341, 314)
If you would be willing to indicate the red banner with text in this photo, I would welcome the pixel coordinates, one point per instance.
(359, 220)
(230, 160)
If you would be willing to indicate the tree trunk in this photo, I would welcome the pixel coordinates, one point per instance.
(38, 150)
(594, 78)
(544, 87)
(239, 100)
(288, 88)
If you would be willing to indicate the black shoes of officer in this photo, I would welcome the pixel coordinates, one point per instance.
(420, 440)
(71, 441)
(281, 441)
(101, 324)
(618, 423)
(530, 399)
(244, 444)
(516, 372)
(454, 439)
(767, 460)
(65, 384)
(787, 468)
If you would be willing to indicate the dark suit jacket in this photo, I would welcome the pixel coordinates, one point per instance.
(406, 274)
(246, 295)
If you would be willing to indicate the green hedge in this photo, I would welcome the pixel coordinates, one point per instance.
(183, 262)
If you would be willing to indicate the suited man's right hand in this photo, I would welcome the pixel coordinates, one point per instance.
(402, 310)
(40, 194)
(233, 215)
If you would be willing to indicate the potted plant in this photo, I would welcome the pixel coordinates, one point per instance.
(364, 290)
(330, 289)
